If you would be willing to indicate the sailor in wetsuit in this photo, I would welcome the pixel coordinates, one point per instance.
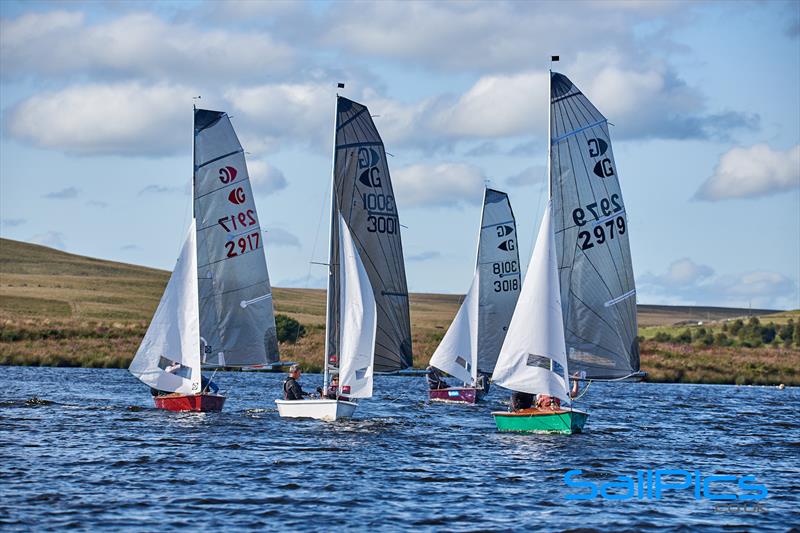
(291, 388)
(435, 379)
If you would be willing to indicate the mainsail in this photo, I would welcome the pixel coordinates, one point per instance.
(533, 358)
(363, 196)
(168, 359)
(499, 272)
(472, 342)
(237, 325)
(598, 293)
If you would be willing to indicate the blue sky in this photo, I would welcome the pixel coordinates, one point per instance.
(705, 100)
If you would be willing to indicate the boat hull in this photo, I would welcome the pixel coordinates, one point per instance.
(541, 421)
(202, 403)
(466, 395)
(319, 409)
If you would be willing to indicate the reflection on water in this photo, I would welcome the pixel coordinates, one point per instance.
(84, 448)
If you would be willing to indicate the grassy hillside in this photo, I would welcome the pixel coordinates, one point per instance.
(67, 310)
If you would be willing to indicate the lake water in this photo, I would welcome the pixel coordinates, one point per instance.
(94, 454)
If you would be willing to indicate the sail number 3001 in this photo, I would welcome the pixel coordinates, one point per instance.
(244, 244)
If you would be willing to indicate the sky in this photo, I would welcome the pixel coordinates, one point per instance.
(704, 98)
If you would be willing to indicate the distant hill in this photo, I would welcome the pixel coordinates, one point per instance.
(40, 281)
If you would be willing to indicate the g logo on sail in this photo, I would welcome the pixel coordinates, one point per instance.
(504, 230)
(367, 157)
(227, 174)
(597, 147)
(236, 196)
(603, 169)
(371, 177)
(508, 245)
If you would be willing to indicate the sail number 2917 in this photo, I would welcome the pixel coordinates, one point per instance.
(244, 244)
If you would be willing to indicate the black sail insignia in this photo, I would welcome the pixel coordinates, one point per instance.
(363, 195)
(598, 293)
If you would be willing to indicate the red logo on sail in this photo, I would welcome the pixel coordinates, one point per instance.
(236, 196)
(227, 174)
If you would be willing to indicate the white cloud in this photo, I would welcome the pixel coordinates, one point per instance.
(681, 273)
(535, 175)
(13, 222)
(64, 194)
(424, 256)
(444, 184)
(281, 237)
(121, 119)
(265, 178)
(754, 171)
(142, 45)
(301, 112)
(689, 283)
(52, 239)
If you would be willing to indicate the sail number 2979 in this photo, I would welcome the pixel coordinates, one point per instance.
(602, 230)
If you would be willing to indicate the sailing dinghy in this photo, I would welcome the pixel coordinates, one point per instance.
(367, 326)
(217, 308)
(472, 343)
(581, 268)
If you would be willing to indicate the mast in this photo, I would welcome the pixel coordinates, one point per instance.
(330, 242)
(549, 120)
(477, 273)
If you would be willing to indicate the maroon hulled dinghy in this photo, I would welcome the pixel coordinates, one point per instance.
(454, 395)
(469, 349)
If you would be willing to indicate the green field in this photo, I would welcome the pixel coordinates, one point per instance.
(60, 309)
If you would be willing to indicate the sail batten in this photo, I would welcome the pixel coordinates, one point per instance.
(591, 238)
(232, 266)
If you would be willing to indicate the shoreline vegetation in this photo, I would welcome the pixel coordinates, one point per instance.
(60, 309)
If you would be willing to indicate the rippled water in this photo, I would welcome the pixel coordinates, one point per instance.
(92, 453)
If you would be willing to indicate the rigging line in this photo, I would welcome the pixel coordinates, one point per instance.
(239, 151)
(352, 118)
(575, 132)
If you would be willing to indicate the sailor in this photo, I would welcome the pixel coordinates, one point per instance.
(543, 401)
(521, 400)
(435, 379)
(291, 388)
(333, 392)
(206, 385)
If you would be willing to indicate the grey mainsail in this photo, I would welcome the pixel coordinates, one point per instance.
(499, 272)
(363, 195)
(237, 325)
(598, 293)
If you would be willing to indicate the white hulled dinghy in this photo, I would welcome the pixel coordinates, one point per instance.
(472, 343)
(217, 308)
(367, 327)
(596, 289)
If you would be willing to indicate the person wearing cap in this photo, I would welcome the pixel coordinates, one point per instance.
(291, 388)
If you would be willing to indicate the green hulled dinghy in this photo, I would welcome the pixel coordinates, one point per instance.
(567, 421)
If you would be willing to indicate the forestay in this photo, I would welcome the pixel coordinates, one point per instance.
(533, 358)
(168, 359)
(499, 272)
(591, 235)
(363, 195)
(358, 320)
(237, 325)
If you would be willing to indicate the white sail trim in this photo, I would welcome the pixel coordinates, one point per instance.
(359, 320)
(168, 358)
(536, 333)
(457, 354)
